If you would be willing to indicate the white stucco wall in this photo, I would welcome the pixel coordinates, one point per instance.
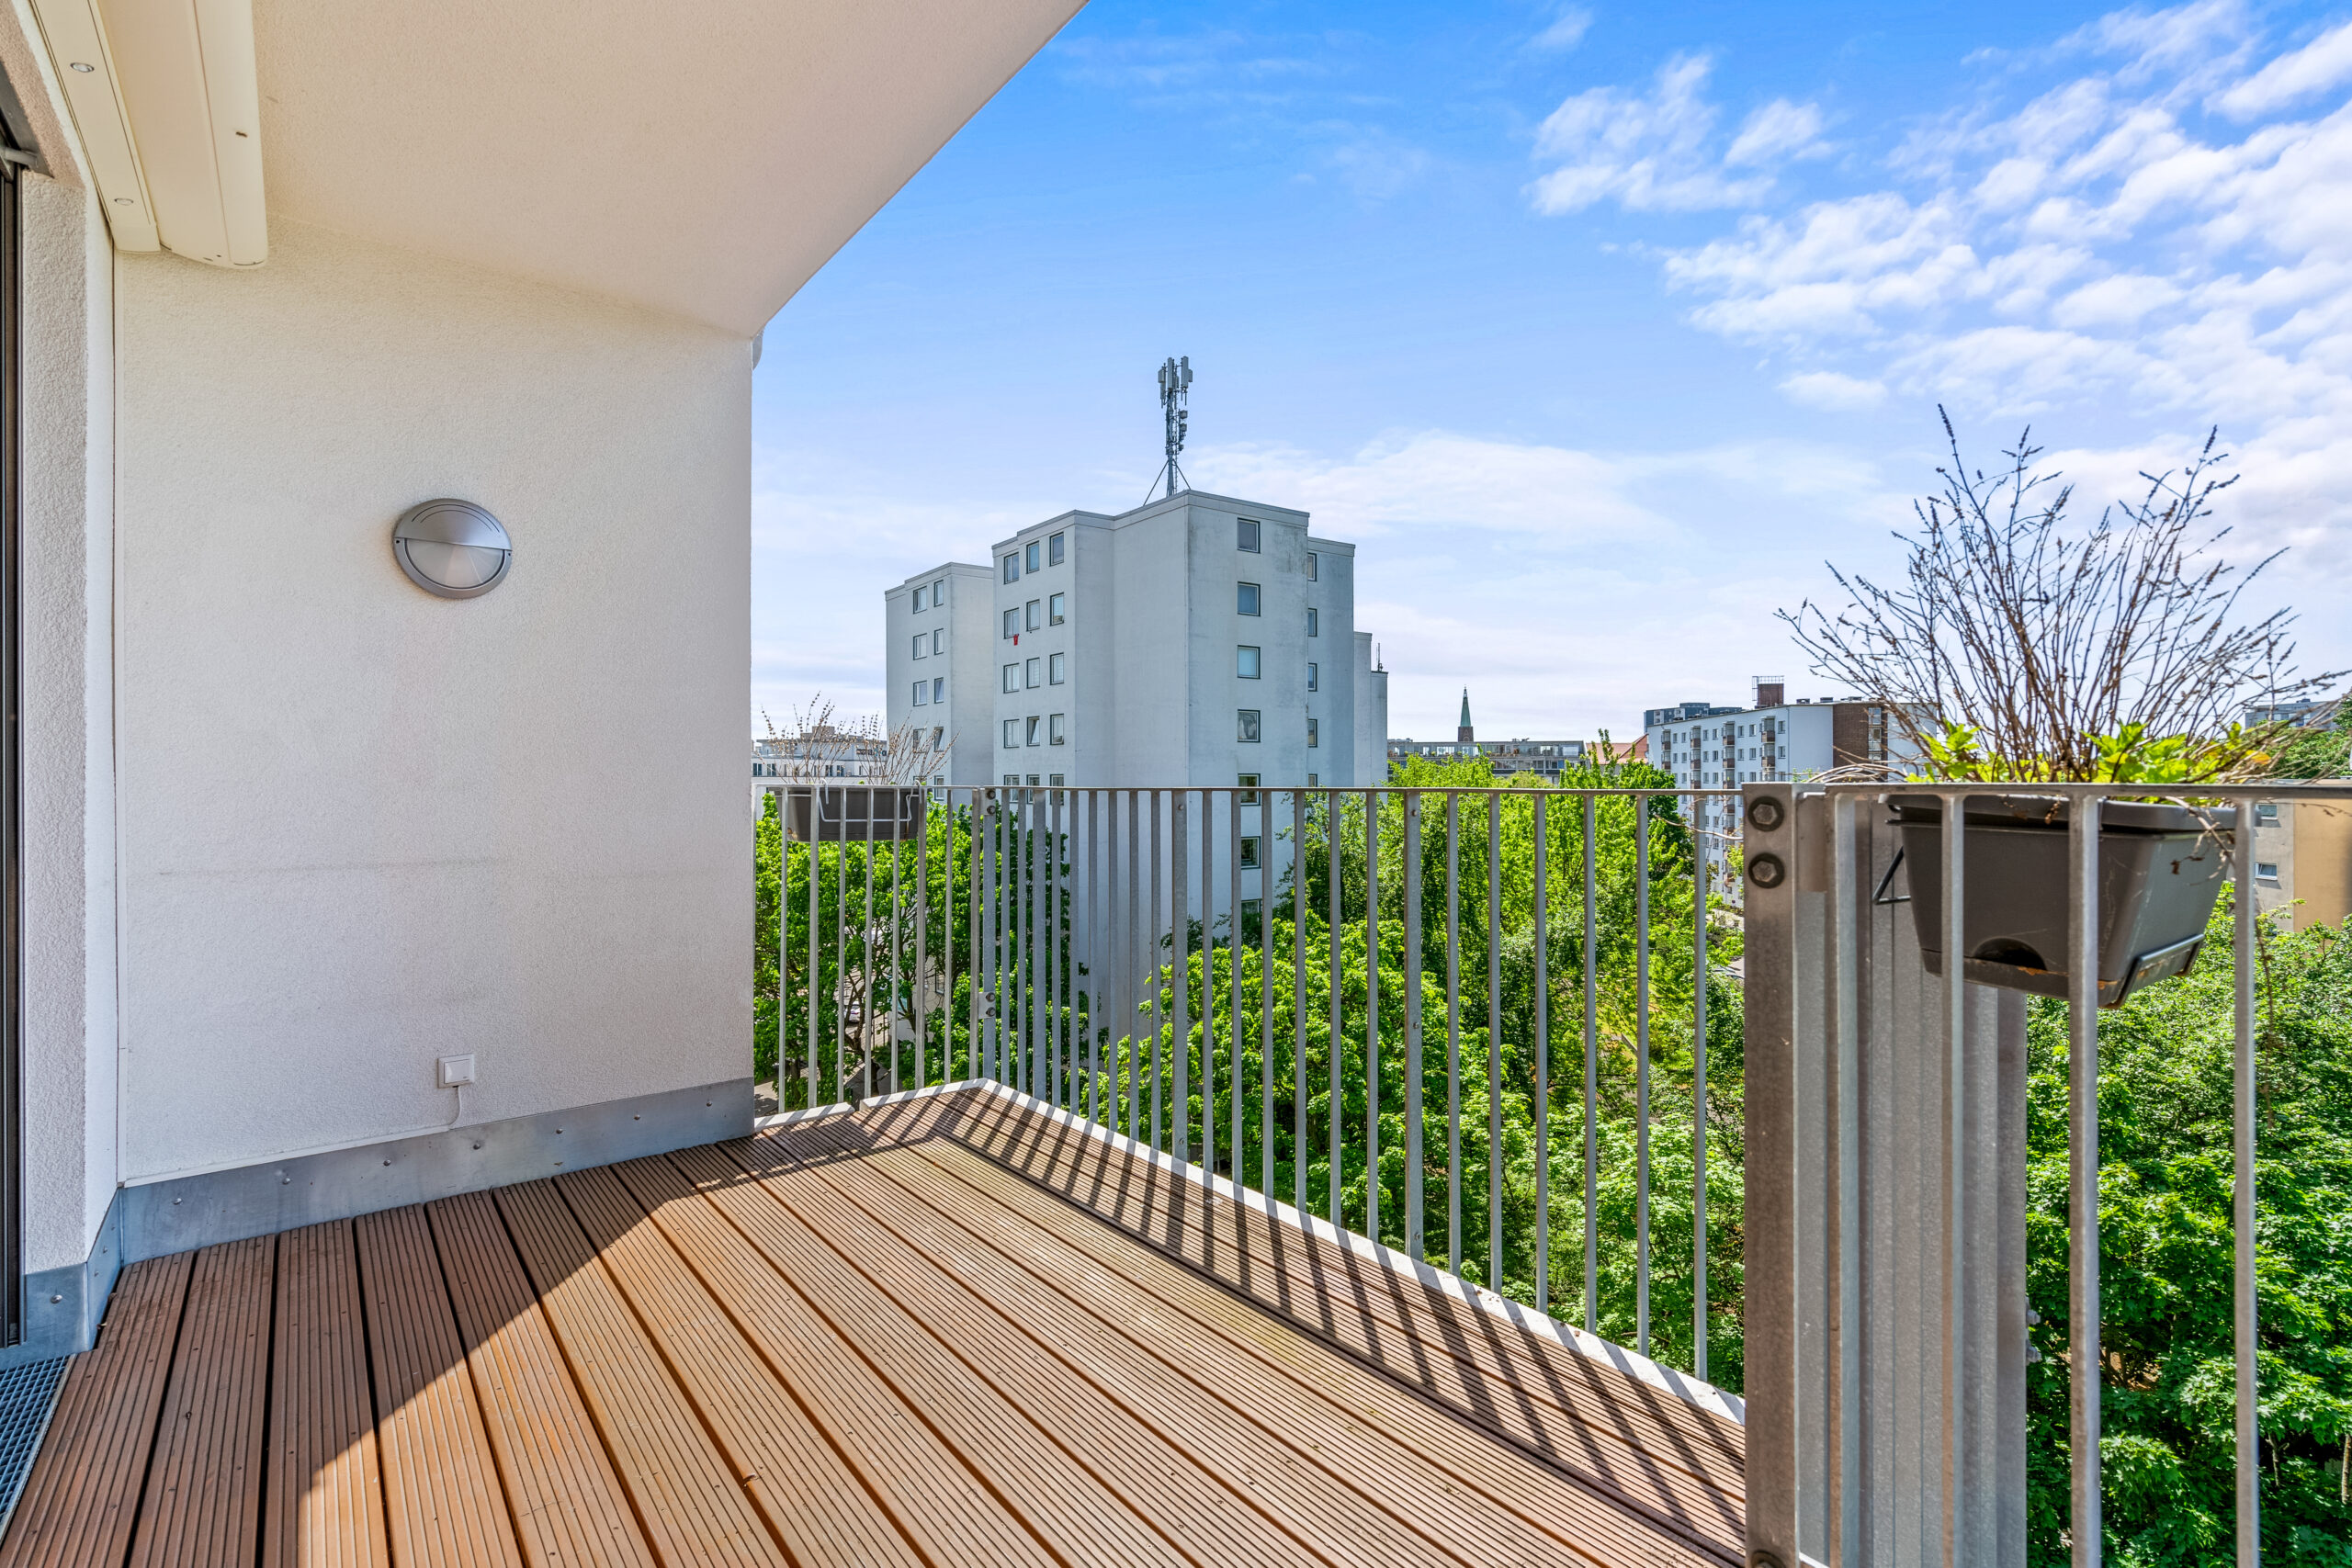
(356, 828)
(69, 807)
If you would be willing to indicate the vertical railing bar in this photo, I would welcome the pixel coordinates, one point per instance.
(1000, 813)
(2249, 1431)
(1416, 1196)
(866, 957)
(841, 952)
(1233, 1148)
(1151, 928)
(1698, 804)
(1095, 938)
(1130, 990)
(1641, 1072)
(1208, 983)
(1298, 999)
(1844, 1445)
(816, 969)
(1331, 841)
(1012, 894)
(1454, 1030)
(1371, 1014)
(1180, 908)
(1056, 959)
(1591, 1077)
(1542, 1063)
(1266, 992)
(923, 943)
(1494, 1041)
(1957, 1481)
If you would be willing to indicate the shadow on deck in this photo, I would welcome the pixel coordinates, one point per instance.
(950, 1330)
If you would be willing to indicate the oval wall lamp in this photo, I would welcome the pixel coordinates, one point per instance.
(452, 548)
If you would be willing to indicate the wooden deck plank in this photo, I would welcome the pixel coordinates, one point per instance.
(1152, 1476)
(1420, 1463)
(687, 1497)
(1290, 1469)
(80, 1503)
(815, 1505)
(322, 1504)
(1162, 1304)
(568, 1505)
(444, 1506)
(202, 1506)
(1080, 1516)
(931, 1494)
(1469, 1358)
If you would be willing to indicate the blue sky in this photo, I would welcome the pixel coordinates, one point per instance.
(1599, 329)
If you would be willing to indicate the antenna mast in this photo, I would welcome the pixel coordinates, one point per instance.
(1175, 388)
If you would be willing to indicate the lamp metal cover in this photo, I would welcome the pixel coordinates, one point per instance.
(452, 548)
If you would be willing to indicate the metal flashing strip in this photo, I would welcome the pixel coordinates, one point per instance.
(1705, 1395)
(179, 1213)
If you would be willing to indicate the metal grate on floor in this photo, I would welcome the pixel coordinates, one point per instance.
(27, 1394)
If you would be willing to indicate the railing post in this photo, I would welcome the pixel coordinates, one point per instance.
(1771, 1222)
(2082, 1158)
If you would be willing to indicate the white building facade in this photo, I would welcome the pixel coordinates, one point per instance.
(1772, 740)
(1197, 640)
(941, 624)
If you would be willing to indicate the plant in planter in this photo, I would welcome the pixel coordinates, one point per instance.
(2021, 649)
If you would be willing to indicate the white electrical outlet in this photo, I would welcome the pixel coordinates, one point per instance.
(451, 1071)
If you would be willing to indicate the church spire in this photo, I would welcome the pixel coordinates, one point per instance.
(1464, 736)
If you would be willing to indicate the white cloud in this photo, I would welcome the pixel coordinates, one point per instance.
(1565, 32)
(1655, 150)
(1830, 389)
(1778, 130)
(2324, 63)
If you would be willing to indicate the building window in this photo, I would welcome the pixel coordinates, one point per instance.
(1012, 737)
(923, 644)
(1056, 669)
(1247, 730)
(1054, 555)
(1314, 567)
(1245, 534)
(1314, 677)
(1013, 569)
(1058, 609)
(1035, 607)
(1054, 779)
(1033, 553)
(918, 600)
(2266, 871)
(1245, 662)
(1012, 677)
(938, 593)
(1248, 851)
(1036, 729)
(1314, 733)
(939, 640)
(1054, 732)
(1012, 623)
(923, 693)
(1030, 675)
(1033, 778)
(1245, 599)
(2266, 811)
(938, 731)
(1312, 780)
(1314, 623)
(1012, 778)
(1248, 783)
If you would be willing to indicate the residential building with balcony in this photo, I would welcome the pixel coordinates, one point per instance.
(1197, 638)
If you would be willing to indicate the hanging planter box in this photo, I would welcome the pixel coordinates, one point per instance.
(2160, 869)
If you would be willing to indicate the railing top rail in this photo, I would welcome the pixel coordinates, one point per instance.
(1728, 793)
(2186, 793)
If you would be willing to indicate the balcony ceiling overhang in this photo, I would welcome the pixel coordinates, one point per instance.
(699, 157)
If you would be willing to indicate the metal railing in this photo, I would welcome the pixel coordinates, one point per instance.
(1358, 1001)
(1886, 1315)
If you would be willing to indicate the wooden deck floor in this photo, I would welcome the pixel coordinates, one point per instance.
(949, 1330)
